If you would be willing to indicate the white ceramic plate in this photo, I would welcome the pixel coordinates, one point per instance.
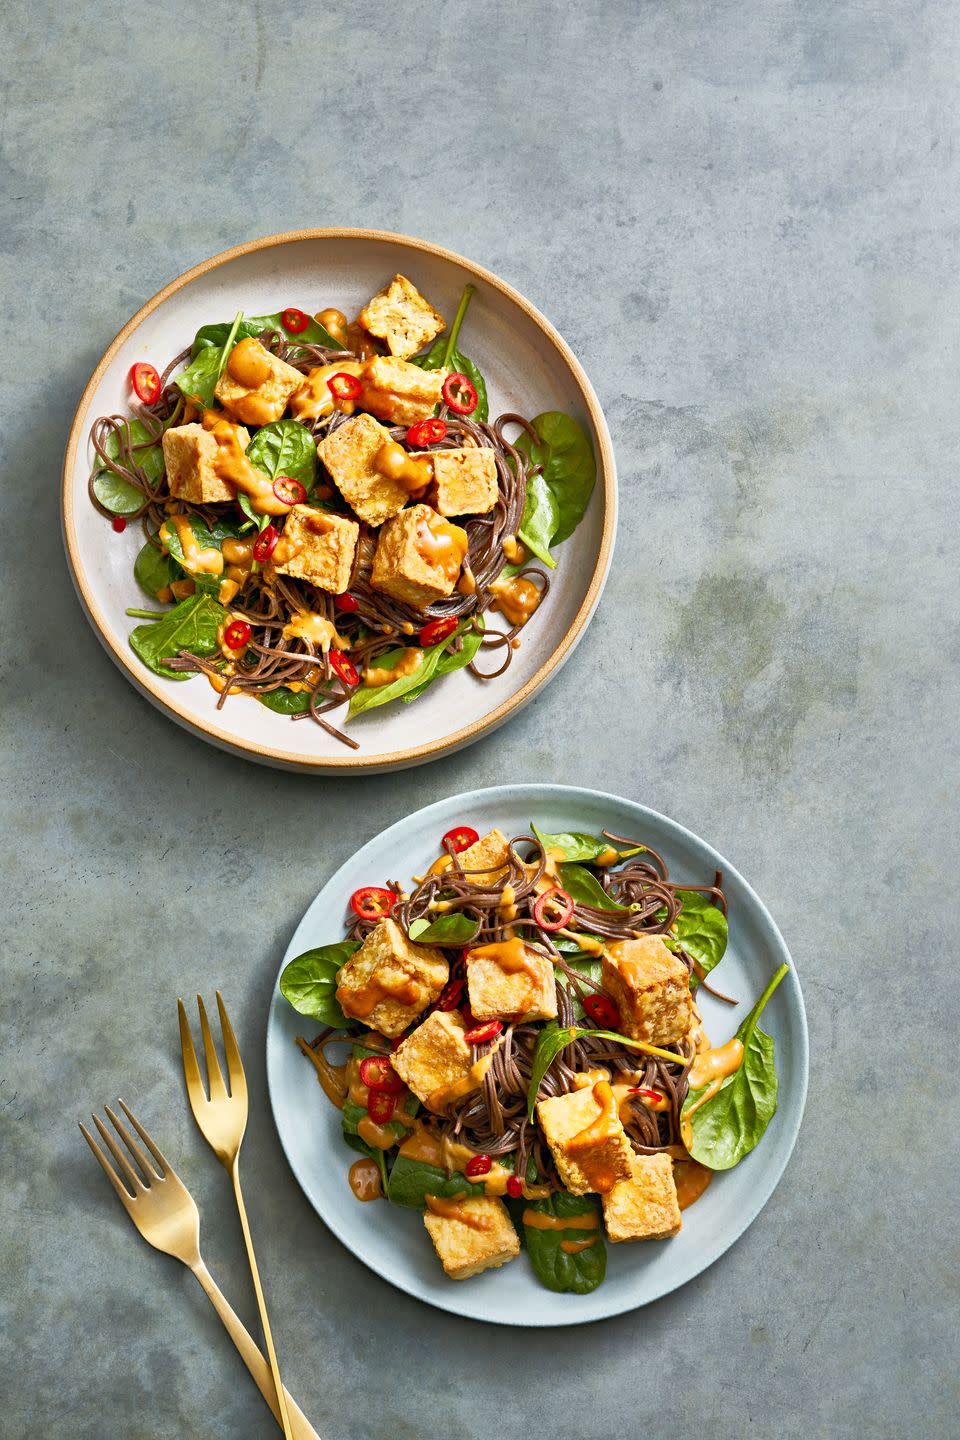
(393, 1241)
(528, 369)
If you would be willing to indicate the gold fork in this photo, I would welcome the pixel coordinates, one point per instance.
(165, 1213)
(223, 1120)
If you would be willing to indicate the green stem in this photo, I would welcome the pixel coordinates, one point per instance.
(750, 1024)
(147, 614)
(228, 343)
(451, 344)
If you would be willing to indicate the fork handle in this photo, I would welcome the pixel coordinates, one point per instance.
(251, 1356)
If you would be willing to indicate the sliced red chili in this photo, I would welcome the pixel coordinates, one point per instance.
(450, 995)
(346, 602)
(119, 524)
(146, 383)
(426, 432)
(372, 902)
(237, 635)
(460, 394)
(294, 320)
(343, 666)
(515, 1187)
(653, 1095)
(377, 1072)
(265, 543)
(381, 1105)
(343, 386)
(602, 1011)
(478, 1165)
(460, 838)
(553, 909)
(483, 1033)
(438, 630)
(289, 491)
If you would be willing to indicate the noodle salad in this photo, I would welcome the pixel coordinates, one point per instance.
(515, 1045)
(328, 511)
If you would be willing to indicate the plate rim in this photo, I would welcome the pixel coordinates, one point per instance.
(151, 686)
(486, 795)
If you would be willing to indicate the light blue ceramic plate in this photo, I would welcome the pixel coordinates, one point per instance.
(393, 1242)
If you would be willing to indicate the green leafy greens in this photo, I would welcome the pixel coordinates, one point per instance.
(192, 625)
(285, 447)
(728, 1125)
(701, 928)
(411, 1181)
(451, 660)
(585, 889)
(580, 1272)
(553, 1038)
(309, 982)
(579, 847)
(199, 380)
(452, 929)
(444, 355)
(557, 498)
(154, 570)
(369, 697)
(116, 494)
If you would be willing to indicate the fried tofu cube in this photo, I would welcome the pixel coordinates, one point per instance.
(471, 1234)
(189, 452)
(651, 988)
(324, 546)
(418, 556)
(510, 981)
(256, 386)
(490, 855)
(401, 317)
(399, 392)
(349, 454)
(390, 980)
(436, 1062)
(466, 480)
(587, 1140)
(644, 1207)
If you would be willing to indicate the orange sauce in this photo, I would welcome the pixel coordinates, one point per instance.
(573, 1247)
(537, 1220)
(446, 1095)
(362, 344)
(393, 462)
(335, 324)
(364, 1000)
(332, 1078)
(709, 1068)
(511, 956)
(365, 1179)
(513, 550)
(231, 465)
(440, 545)
(691, 1179)
(516, 598)
(587, 1142)
(305, 625)
(195, 559)
(467, 584)
(249, 364)
(455, 1209)
(409, 661)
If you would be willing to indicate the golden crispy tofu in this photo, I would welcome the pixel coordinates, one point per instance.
(644, 1207)
(399, 392)
(435, 1061)
(470, 1234)
(418, 556)
(256, 386)
(651, 987)
(189, 452)
(509, 980)
(323, 545)
(586, 1138)
(349, 454)
(401, 317)
(466, 480)
(489, 855)
(390, 980)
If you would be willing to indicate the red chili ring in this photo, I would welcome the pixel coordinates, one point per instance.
(450, 995)
(346, 602)
(294, 320)
(236, 635)
(602, 1011)
(426, 432)
(483, 1033)
(372, 902)
(460, 838)
(459, 393)
(437, 630)
(377, 1073)
(343, 386)
(515, 1187)
(265, 543)
(146, 383)
(289, 491)
(553, 897)
(381, 1105)
(344, 667)
(478, 1165)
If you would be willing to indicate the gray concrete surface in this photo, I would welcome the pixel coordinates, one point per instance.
(744, 216)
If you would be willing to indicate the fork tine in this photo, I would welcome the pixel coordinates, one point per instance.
(108, 1169)
(238, 1079)
(129, 1174)
(165, 1167)
(218, 1090)
(191, 1067)
(146, 1168)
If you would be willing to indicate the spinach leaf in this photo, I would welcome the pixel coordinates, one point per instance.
(591, 969)
(728, 1125)
(541, 517)
(285, 447)
(472, 640)
(209, 540)
(192, 625)
(252, 326)
(451, 929)
(199, 380)
(701, 928)
(444, 355)
(154, 570)
(286, 702)
(309, 982)
(570, 947)
(579, 1273)
(569, 470)
(117, 494)
(411, 1181)
(553, 1039)
(352, 1113)
(585, 889)
(576, 846)
(369, 697)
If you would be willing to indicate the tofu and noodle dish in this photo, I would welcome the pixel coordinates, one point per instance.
(515, 1044)
(330, 518)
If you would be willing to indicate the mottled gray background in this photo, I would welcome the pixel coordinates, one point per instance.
(744, 217)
